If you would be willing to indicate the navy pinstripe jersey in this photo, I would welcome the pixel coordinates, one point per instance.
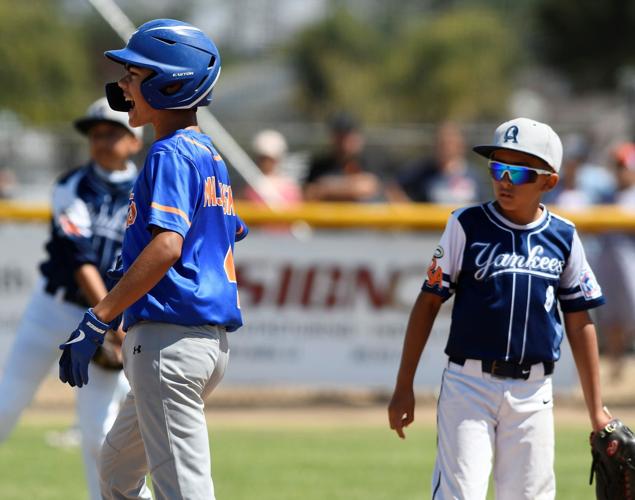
(508, 280)
(89, 208)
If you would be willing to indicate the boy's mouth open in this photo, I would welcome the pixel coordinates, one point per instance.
(131, 101)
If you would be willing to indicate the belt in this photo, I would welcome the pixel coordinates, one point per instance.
(508, 369)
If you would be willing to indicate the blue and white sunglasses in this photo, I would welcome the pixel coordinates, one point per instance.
(515, 173)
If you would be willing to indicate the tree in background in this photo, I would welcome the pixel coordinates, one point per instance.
(337, 62)
(587, 40)
(45, 71)
(457, 64)
(51, 52)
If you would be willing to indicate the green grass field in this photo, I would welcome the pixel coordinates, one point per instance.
(302, 463)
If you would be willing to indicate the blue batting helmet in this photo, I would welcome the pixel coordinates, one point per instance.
(176, 52)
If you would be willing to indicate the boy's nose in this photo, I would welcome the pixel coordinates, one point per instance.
(507, 178)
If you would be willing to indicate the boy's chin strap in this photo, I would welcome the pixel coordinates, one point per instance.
(116, 99)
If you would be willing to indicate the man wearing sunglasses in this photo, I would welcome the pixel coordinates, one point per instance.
(509, 264)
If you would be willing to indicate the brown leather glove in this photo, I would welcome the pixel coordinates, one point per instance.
(613, 451)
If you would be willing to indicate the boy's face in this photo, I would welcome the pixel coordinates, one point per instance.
(141, 112)
(521, 197)
(111, 145)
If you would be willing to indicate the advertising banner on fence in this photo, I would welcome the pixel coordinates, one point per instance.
(327, 309)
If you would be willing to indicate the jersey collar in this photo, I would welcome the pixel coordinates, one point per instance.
(116, 176)
(491, 208)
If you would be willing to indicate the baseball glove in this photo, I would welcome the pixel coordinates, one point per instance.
(613, 451)
(108, 355)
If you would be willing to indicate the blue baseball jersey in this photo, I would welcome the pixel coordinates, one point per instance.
(507, 281)
(89, 208)
(184, 187)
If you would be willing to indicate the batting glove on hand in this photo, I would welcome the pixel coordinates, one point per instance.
(80, 348)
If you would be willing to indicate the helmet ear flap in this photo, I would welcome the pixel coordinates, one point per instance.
(116, 99)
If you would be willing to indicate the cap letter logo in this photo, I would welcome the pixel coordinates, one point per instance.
(511, 134)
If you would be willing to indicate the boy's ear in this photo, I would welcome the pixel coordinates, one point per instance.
(551, 182)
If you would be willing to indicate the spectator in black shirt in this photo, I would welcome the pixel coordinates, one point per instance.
(342, 174)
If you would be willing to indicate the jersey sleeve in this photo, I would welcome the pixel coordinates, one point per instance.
(579, 290)
(175, 190)
(242, 230)
(447, 259)
(72, 226)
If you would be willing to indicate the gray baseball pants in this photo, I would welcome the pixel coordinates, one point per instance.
(161, 426)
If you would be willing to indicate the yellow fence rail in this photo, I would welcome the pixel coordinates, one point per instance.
(599, 218)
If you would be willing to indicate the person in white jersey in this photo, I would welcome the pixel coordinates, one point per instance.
(89, 210)
(509, 264)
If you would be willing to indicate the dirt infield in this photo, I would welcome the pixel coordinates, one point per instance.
(284, 406)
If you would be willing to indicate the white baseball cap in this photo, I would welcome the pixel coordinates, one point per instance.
(269, 143)
(100, 111)
(527, 136)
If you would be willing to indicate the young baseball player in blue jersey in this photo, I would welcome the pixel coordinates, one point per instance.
(178, 290)
(89, 208)
(509, 263)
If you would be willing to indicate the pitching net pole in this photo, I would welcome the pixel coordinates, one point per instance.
(123, 26)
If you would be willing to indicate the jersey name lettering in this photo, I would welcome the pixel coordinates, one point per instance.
(490, 262)
(221, 197)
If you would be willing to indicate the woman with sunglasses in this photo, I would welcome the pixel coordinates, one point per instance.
(509, 264)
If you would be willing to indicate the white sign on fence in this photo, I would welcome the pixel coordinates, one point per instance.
(327, 311)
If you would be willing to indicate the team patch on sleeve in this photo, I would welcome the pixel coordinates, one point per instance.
(132, 211)
(589, 285)
(434, 277)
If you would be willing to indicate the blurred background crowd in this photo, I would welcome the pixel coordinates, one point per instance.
(360, 100)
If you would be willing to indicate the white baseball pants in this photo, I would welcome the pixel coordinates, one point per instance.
(482, 419)
(47, 323)
(161, 427)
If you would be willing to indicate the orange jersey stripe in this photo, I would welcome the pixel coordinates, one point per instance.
(196, 143)
(171, 210)
(217, 157)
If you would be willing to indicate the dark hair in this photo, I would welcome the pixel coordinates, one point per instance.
(343, 122)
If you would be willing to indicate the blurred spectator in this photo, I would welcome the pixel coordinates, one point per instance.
(7, 183)
(269, 148)
(583, 183)
(344, 172)
(624, 160)
(569, 193)
(444, 177)
(616, 266)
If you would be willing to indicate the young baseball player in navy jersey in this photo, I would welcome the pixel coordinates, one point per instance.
(89, 208)
(178, 286)
(509, 264)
